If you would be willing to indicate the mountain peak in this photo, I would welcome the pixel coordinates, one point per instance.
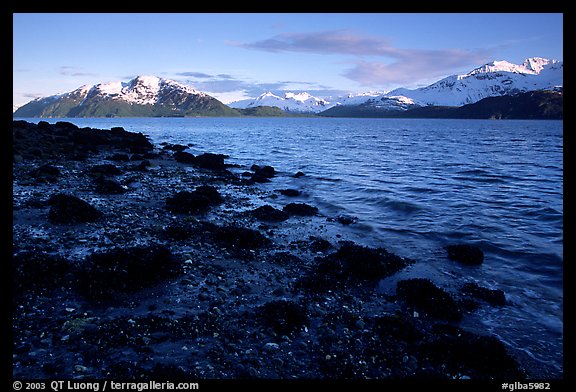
(144, 95)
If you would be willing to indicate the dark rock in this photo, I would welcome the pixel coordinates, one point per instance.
(126, 270)
(137, 157)
(210, 161)
(266, 171)
(108, 186)
(70, 209)
(427, 298)
(494, 297)
(38, 272)
(269, 213)
(200, 200)
(262, 173)
(346, 219)
(351, 263)
(45, 173)
(142, 166)
(238, 237)
(319, 244)
(467, 254)
(301, 209)
(184, 157)
(179, 231)
(118, 157)
(479, 357)
(290, 192)
(284, 317)
(174, 147)
(397, 328)
(106, 169)
(299, 174)
(286, 259)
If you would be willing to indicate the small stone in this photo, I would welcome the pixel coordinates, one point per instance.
(271, 346)
(80, 369)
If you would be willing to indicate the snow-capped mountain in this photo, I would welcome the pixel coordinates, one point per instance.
(490, 80)
(143, 96)
(290, 102)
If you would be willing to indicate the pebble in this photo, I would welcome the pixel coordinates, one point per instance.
(271, 346)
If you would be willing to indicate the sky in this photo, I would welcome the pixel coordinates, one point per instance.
(234, 56)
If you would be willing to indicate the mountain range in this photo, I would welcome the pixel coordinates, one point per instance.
(146, 96)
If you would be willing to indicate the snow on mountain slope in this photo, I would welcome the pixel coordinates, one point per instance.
(290, 102)
(142, 90)
(490, 80)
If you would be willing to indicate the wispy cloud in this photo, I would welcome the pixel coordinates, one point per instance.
(68, 70)
(392, 64)
(225, 83)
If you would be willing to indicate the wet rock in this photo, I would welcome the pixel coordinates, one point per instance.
(119, 157)
(290, 192)
(238, 237)
(108, 186)
(479, 357)
(269, 214)
(283, 316)
(466, 254)
(174, 147)
(200, 200)
(396, 328)
(494, 297)
(107, 169)
(179, 231)
(262, 174)
(142, 166)
(427, 298)
(46, 173)
(300, 209)
(299, 174)
(210, 161)
(126, 270)
(351, 262)
(346, 219)
(34, 271)
(184, 157)
(70, 209)
(319, 244)
(286, 259)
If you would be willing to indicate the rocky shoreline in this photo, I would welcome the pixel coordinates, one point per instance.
(135, 261)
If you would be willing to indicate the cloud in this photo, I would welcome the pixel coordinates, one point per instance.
(393, 65)
(68, 70)
(225, 83)
(200, 75)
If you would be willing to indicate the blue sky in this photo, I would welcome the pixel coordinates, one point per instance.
(235, 56)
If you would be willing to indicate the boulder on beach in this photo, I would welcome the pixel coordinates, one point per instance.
(262, 173)
(466, 254)
(70, 209)
(283, 316)
(352, 263)
(269, 214)
(491, 296)
(34, 271)
(126, 270)
(427, 298)
(290, 192)
(45, 173)
(463, 352)
(300, 209)
(210, 161)
(199, 200)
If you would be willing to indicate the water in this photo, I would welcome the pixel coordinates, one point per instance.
(416, 185)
